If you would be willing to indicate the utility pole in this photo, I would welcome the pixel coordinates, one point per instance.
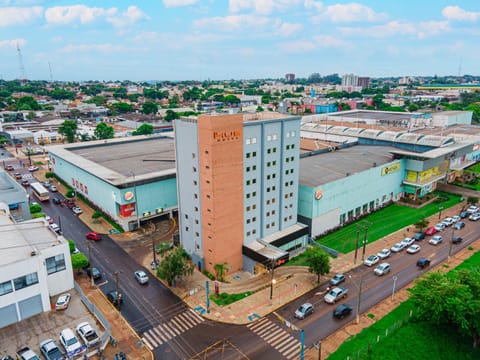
(116, 273)
(272, 280)
(90, 263)
(365, 239)
(136, 200)
(451, 243)
(356, 244)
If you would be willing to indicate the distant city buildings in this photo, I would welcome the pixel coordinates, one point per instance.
(351, 82)
(289, 77)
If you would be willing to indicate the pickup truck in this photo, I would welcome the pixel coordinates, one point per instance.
(336, 294)
(27, 354)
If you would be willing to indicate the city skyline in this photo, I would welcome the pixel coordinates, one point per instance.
(235, 39)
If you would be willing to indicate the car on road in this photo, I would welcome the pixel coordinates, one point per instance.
(55, 228)
(342, 310)
(53, 188)
(303, 311)
(456, 239)
(9, 167)
(141, 277)
(384, 253)
(77, 210)
(371, 260)
(382, 269)
(423, 263)
(448, 221)
(49, 219)
(57, 201)
(397, 247)
(337, 279)
(95, 273)
(87, 333)
(47, 184)
(115, 298)
(474, 217)
(455, 218)
(440, 227)
(431, 231)
(463, 214)
(93, 235)
(459, 225)
(63, 301)
(50, 350)
(71, 344)
(407, 241)
(335, 294)
(33, 168)
(473, 209)
(17, 175)
(70, 204)
(25, 182)
(435, 240)
(419, 236)
(413, 249)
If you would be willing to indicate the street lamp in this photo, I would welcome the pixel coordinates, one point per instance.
(440, 208)
(451, 243)
(359, 288)
(136, 202)
(272, 281)
(395, 278)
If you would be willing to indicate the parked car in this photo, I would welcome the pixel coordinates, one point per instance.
(439, 227)
(50, 350)
(397, 247)
(474, 217)
(71, 344)
(371, 260)
(33, 168)
(473, 209)
(9, 167)
(342, 310)
(17, 175)
(93, 235)
(87, 333)
(382, 269)
(413, 249)
(337, 279)
(141, 277)
(115, 298)
(25, 182)
(407, 241)
(303, 311)
(77, 210)
(455, 218)
(384, 253)
(419, 236)
(448, 221)
(53, 188)
(431, 231)
(70, 203)
(26, 354)
(63, 301)
(456, 239)
(49, 219)
(459, 225)
(57, 201)
(47, 184)
(55, 228)
(435, 240)
(423, 263)
(463, 214)
(94, 272)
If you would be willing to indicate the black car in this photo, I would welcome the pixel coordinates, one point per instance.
(463, 214)
(419, 236)
(95, 273)
(342, 310)
(423, 263)
(115, 298)
(458, 225)
(57, 201)
(456, 239)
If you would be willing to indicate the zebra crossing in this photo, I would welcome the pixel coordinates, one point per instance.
(177, 325)
(277, 337)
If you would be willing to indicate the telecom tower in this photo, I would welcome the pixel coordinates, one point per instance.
(20, 63)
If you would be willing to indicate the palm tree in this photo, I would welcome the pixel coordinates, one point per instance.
(220, 271)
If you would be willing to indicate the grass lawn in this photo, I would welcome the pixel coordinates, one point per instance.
(382, 223)
(412, 340)
(475, 168)
(226, 299)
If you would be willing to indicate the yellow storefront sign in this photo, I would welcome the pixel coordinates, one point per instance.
(390, 168)
(411, 176)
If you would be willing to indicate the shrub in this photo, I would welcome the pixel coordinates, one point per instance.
(209, 275)
(49, 175)
(224, 299)
(38, 215)
(70, 194)
(35, 208)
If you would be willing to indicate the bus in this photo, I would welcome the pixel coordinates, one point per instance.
(40, 192)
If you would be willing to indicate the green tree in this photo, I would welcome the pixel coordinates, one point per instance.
(97, 100)
(220, 271)
(79, 261)
(71, 246)
(149, 107)
(421, 224)
(317, 260)
(35, 208)
(75, 113)
(171, 115)
(144, 129)
(69, 129)
(104, 131)
(472, 200)
(413, 107)
(121, 108)
(95, 216)
(451, 300)
(174, 265)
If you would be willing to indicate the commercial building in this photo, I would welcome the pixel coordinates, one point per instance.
(35, 265)
(237, 189)
(15, 196)
(132, 180)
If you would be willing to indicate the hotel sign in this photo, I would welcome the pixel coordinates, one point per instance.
(226, 135)
(390, 169)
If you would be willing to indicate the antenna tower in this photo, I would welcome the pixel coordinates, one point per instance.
(50, 69)
(20, 63)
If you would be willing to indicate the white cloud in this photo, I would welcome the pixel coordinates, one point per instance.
(244, 51)
(457, 13)
(287, 29)
(101, 48)
(311, 4)
(262, 6)
(317, 42)
(60, 15)
(393, 28)
(127, 18)
(12, 43)
(19, 15)
(176, 3)
(328, 41)
(353, 12)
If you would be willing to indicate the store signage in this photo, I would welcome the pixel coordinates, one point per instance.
(128, 196)
(226, 135)
(390, 168)
(318, 194)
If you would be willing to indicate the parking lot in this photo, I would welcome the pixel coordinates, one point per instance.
(31, 332)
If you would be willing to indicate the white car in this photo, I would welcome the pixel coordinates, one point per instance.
(88, 334)
(440, 227)
(77, 210)
(474, 217)
(371, 260)
(382, 269)
(407, 242)
(435, 240)
(473, 209)
(384, 253)
(397, 247)
(448, 221)
(63, 301)
(55, 228)
(141, 276)
(70, 343)
(413, 249)
(456, 218)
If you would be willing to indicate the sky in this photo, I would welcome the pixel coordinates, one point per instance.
(75, 40)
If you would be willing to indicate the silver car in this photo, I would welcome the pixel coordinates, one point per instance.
(141, 277)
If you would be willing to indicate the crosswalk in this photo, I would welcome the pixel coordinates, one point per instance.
(277, 337)
(177, 325)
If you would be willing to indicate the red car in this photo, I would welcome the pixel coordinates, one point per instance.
(93, 236)
(430, 231)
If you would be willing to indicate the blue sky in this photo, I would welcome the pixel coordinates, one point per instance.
(237, 39)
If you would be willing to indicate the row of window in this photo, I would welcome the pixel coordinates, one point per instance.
(253, 168)
(292, 146)
(288, 183)
(253, 181)
(291, 158)
(55, 264)
(18, 283)
(290, 217)
(252, 154)
(253, 232)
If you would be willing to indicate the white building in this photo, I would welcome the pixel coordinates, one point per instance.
(35, 265)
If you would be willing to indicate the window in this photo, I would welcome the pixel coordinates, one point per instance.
(208, 196)
(247, 141)
(268, 177)
(269, 137)
(291, 194)
(197, 234)
(268, 213)
(207, 167)
(248, 233)
(196, 209)
(268, 189)
(254, 207)
(274, 163)
(248, 168)
(268, 202)
(287, 159)
(193, 155)
(254, 154)
(274, 137)
(248, 182)
(195, 196)
(254, 167)
(274, 150)
(248, 208)
(254, 140)
(288, 147)
(254, 231)
(291, 182)
(196, 221)
(248, 196)
(292, 146)
(254, 219)
(254, 194)
(197, 246)
(206, 151)
(293, 133)
(195, 182)
(273, 224)
(57, 263)
(207, 181)
(274, 176)
(186, 228)
(288, 134)
(269, 151)
(286, 184)
(248, 221)
(194, 169)
(248, 155)
(273, 200)
(25, 281)
(254, 181)
(290, 217)
(268, 226)
(292, 158)
(6, 288)
(268, 164)
(186, 216)
(273, 212)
